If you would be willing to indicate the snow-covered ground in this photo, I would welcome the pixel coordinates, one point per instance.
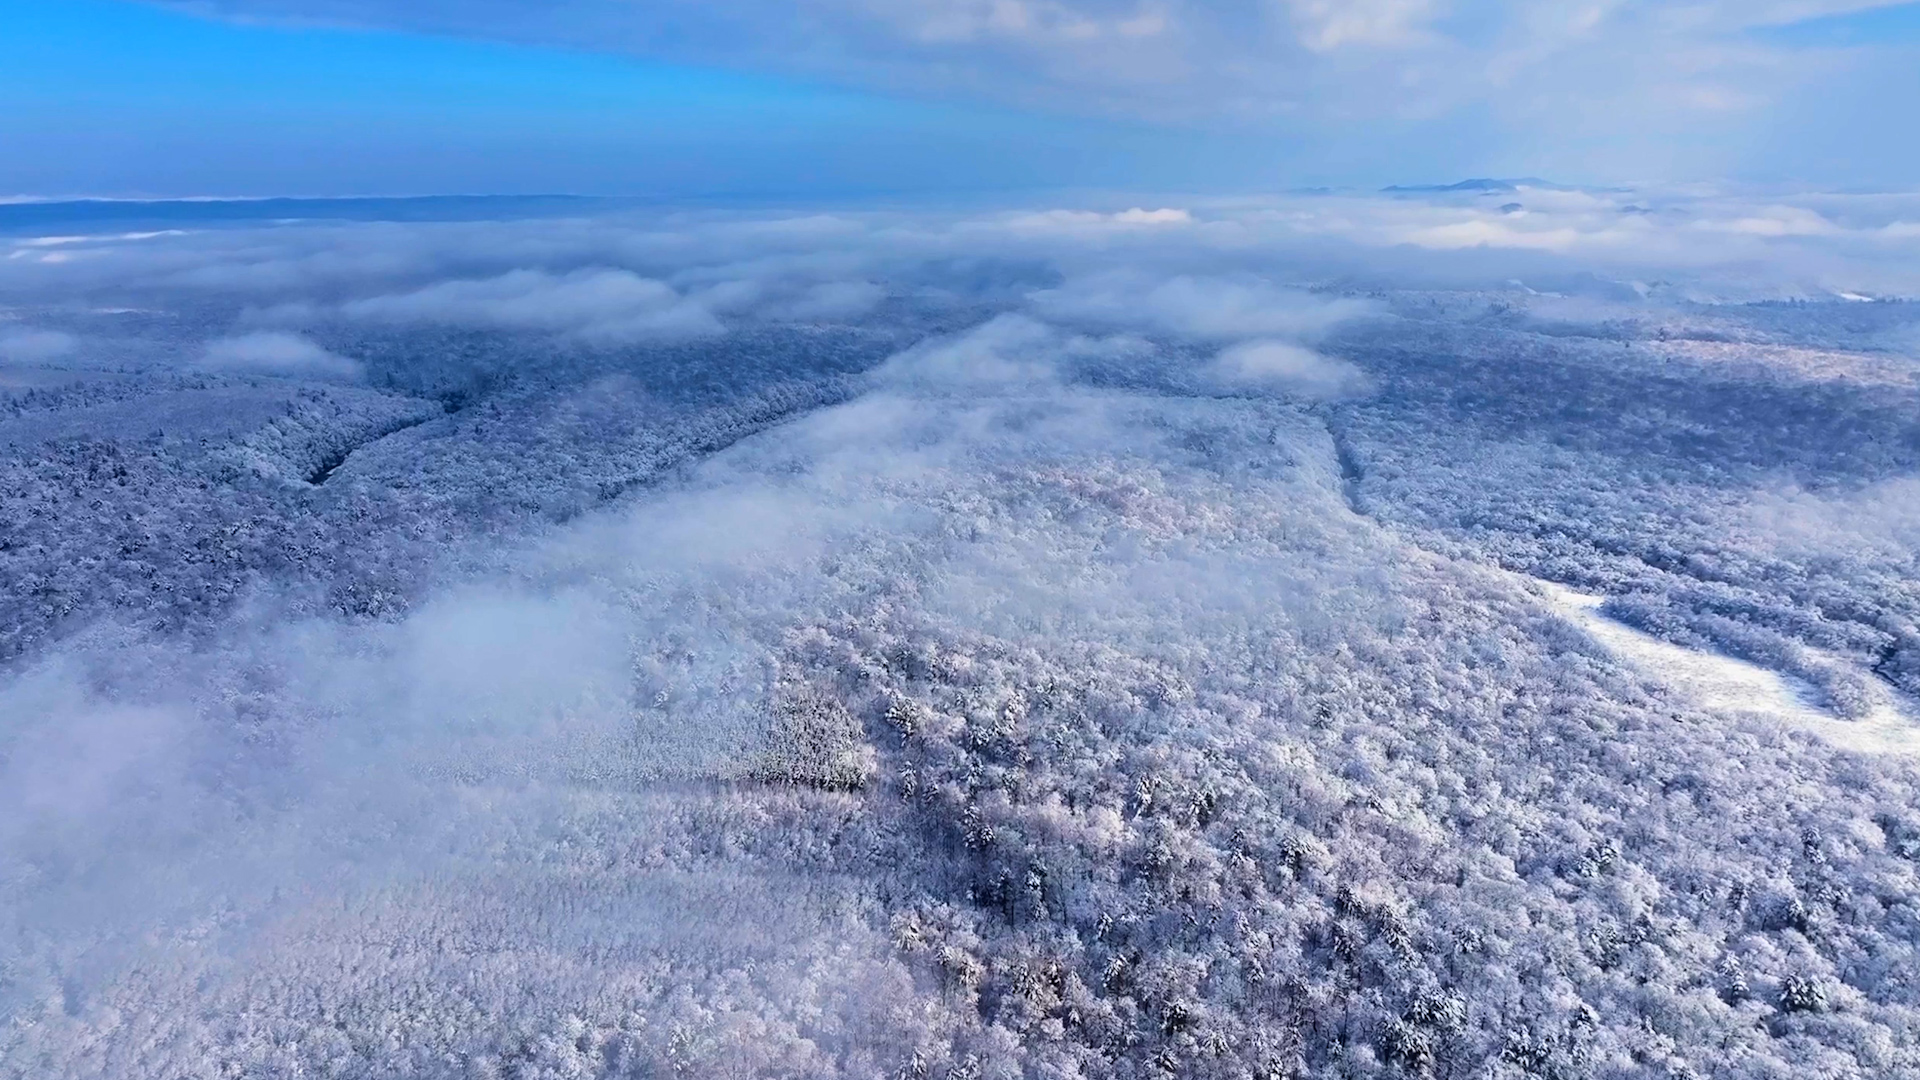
(897, 646)
(1728, 684)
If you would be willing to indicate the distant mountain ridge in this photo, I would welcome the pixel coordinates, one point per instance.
(1482, 185)
(33, 214)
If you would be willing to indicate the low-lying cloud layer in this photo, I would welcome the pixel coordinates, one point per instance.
(19, 345)
(606, 306)
(268, 352)
(1216, 271)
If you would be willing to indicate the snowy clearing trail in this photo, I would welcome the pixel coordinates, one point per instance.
(1726, 684)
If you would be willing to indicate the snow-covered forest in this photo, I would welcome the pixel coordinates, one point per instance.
(1461, 634)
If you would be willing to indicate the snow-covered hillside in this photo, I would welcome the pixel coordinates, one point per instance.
(1315, 637)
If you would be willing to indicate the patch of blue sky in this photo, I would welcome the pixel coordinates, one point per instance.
(109, 97)
(131, 56)
(1894, 24)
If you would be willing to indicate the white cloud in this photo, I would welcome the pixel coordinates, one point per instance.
(1206, 308)
(272, 352)
(1162, 216)
(1326, 25)
(774, 299)
(1289, 368)
(835, 300)
(1009, 350)
(601, 306)
(1609, 87)
(1283, 266)
(28, 346)
(1776, 221)
(1491, 232)
(1093, 222)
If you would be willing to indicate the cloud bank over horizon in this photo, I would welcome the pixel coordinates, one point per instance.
(1215, 269)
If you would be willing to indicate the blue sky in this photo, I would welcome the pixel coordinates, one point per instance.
(119, 98)
(1897, 23)
(742, 98)
(124, 99)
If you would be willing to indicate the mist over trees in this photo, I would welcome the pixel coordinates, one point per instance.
(1056, 645)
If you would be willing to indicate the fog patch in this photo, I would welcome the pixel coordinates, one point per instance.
(1008, 350)
(1203, 308)
(1293, 369)
(833, 300)
(787, 301)
(278, 353)
(1095, 222)
(23, 345)
(70, 763)
(598, 306)
(1879, 521)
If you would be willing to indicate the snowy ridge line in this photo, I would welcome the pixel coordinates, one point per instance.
(780, 405)
(331, 464)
